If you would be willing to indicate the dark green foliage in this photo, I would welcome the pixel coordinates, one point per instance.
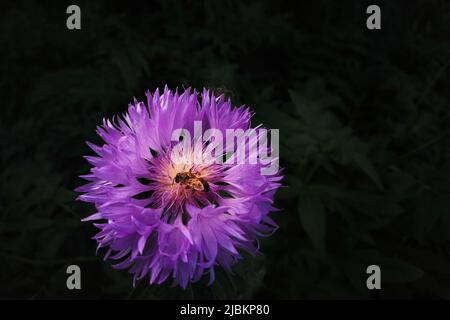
(363, 116)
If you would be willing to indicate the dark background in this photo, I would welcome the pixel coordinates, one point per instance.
(363, 116)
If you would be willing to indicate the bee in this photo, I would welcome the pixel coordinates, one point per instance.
(191, 181)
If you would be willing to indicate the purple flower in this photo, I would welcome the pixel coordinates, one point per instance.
(161, 213)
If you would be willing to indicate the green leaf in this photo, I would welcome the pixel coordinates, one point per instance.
(312, 217)
(393, 270)
(397, 271)
(366, 166)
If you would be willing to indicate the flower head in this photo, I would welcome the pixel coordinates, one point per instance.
(177, 208)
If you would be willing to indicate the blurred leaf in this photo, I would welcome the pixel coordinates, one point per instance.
(368, 168)
(312, 216)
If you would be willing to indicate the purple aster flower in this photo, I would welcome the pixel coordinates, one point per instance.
(164, 214)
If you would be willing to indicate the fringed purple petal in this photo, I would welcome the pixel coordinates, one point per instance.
(157, 227)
